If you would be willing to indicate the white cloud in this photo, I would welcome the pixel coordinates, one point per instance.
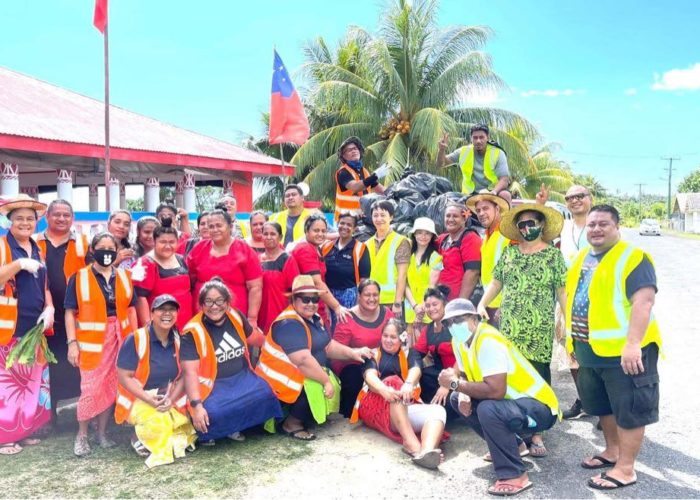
(678, 79)
(550, 93)
(631, 91)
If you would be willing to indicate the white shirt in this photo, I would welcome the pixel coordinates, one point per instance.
(493, 358)
(573, 240)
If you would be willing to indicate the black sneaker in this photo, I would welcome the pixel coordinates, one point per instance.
(576, 411)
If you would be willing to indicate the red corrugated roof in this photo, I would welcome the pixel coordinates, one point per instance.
(36, 109)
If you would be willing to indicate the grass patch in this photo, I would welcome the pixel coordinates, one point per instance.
(226, 470)
(681, 234)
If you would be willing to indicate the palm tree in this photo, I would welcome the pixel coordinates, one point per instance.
(541, 168)
(399, 91)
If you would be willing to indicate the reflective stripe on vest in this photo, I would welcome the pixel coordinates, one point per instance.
(7, 323)
(96, 327)
(466, 164)
(279, 377)
(383, 265)
(90, 347)
(80, 245)
(8, 301)
(491, 251)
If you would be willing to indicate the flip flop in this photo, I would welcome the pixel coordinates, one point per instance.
(537, 446)
(512, 489)
(487, 458)
(429, 459)
(139, 448)
(604, 462)
(236, 436)
(30, 442)
(10, 449)
(295, 434)
(618, 484)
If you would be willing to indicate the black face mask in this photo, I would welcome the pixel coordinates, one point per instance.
(105, 257)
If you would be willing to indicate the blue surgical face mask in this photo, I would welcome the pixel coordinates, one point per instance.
(356, 164)
(460, 331)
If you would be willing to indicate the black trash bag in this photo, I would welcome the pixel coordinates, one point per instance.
(443, 185)
(366, 203)
(363, 232)
(405, 208)
(403, 228)
(420, 183)
(434, 208)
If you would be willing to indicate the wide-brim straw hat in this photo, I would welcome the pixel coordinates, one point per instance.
(487, 195)
(553, 221)
(304, 284)
(423, 224)
(22, 201)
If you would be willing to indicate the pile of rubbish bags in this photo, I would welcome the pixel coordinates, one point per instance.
(415, 195)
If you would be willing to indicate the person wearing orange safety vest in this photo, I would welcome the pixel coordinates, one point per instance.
(294, 356)
(100, 312)
(390, 401)
(64, 251)
(151, 391)
(352, 179)
(225, 395)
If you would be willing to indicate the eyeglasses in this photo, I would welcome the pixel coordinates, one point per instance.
(577, 196)
(523, 224)
(305, 299)
(218, 302)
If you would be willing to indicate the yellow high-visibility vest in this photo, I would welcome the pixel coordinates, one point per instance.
(609, 309)
(492, 248)
(466, 164)
(524, 382)
(383, 263)
(281, 219)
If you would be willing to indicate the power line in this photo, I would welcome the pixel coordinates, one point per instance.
(670, 170)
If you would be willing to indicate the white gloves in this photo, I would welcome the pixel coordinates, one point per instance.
(29, 265)
(47, 317)
(382, 171)
(138, 272)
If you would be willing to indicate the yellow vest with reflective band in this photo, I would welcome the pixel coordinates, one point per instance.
(524, 382)
(466, 164)
(609, 309)
(242, 227)
(281, 219)
(492, 248)
(383, 264)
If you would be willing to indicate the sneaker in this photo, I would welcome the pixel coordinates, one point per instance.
(576, 411)
(81, 447)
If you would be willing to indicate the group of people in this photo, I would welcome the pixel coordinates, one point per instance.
(196, 336)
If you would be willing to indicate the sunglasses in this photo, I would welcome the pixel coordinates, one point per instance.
(577, 196)
(308, 300)
(524, 224)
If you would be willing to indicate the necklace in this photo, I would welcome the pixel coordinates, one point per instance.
(577, 239)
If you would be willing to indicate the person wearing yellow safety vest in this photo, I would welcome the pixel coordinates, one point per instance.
(352, 179)
(100, 309)
(292, 219)
(389, 254)
(484, 164)
(498, 393)
(488, 208)
(615, 338)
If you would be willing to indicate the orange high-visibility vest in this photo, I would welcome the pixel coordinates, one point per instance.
(346, 200)
(8, 301)
(403, 363)
(125, 399)
(75, 252)
(276, 368)
(205, 348)
(91, 316)
(358, 251)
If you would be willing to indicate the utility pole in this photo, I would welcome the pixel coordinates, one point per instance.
(639, 185)
(669, 169)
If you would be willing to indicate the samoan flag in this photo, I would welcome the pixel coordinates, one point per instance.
(288, 122)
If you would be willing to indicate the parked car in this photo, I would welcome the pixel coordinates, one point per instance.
(650, 227)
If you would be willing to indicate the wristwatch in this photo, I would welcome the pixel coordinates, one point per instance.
(396, 304)
(454, 384)
(195, 403)
(70, 341)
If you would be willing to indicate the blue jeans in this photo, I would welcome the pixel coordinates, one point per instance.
(500, 423)
(347, 298)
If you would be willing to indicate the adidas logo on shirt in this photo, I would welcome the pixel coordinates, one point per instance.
(229, 348)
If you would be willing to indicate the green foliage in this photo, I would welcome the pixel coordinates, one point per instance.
(691, 183)
(206, 197)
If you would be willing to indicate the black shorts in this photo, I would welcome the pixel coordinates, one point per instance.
(632, 399)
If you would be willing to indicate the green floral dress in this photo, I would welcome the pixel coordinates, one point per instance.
(530, 283)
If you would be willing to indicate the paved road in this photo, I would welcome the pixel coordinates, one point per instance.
(357, 462)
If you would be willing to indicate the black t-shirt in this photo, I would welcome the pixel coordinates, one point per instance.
(289, 232)
(55, 258)
(108, 290)
(343, 177)
(291, 337)
(389, 364)
(162, 360)
(228, 346)
(340, 267)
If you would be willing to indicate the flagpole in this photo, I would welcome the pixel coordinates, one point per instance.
(286, 177)
(107, 159)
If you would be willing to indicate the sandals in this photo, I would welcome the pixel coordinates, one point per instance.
(616, 482)
(296, 434)
(105, 442)
(81, 447)
(10, 449)
(30, 442)
(429, 460)
(507, 489)
(604, 462)
(236, 436)
(538, 450)
(140, 448)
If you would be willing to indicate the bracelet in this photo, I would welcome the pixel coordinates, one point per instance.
(70, 341)
(396, 304)
(195, 402)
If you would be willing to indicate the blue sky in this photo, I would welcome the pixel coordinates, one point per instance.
(615, 83)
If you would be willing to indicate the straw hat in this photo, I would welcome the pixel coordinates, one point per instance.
(304, 284)
(487, 195)
(22, 201)
(424, 224)
(553, 221)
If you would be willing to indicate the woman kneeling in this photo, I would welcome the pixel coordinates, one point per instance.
(390, 401)
(225, 396)
(151, 392)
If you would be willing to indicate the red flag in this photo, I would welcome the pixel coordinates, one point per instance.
(288, 121)
(100, 17)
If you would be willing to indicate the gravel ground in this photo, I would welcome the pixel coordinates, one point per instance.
(353, 461)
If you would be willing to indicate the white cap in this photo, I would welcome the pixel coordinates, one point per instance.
(424, 224)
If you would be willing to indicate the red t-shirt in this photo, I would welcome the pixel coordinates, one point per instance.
(461, 255)
(182, 243)
(359, 333)
(277, 276)
(437, 344)
(309, 260)
(235, 269)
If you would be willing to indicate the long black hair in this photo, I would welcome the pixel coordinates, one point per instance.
(432, 247)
